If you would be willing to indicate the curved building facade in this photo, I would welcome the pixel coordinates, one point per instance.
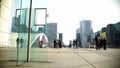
(85, 33)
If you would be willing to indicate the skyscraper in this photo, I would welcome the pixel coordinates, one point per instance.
(85, 32)
(52, 31)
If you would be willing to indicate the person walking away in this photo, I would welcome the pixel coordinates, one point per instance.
(60, 44)
(104, 43)
(55, 43)
(17, 41)
(101, 42)
(70, 44)
(21, 42)
(76, 43)
(96, 42)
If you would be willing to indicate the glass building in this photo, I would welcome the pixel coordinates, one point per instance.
(85, 33)
(113, 35)
(52, 32)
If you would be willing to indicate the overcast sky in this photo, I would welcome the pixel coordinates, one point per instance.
(68, 14)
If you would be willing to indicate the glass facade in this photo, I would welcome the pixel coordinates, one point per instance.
(52, 32)
(21, 17)
(85, 33)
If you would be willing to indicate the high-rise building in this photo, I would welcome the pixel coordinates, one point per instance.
(85, 32)
(113, 35)
(51, 32)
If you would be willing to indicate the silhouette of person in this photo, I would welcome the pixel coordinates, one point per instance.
(96, 42)
(21, 42)
(70, 44)
(76, 43)
(60, 44)
(104, 43)
(17, 41)
(55, 43)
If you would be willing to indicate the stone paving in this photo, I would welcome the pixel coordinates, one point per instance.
(63, 58)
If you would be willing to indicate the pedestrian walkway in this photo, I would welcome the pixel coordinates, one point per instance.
(65, 58)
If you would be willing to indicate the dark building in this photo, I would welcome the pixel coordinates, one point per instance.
(113, 35)
(40, 29)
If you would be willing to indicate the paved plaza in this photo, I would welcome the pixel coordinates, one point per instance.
(63, 58)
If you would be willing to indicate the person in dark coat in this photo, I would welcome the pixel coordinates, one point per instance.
(97, 42)
(60, 44)
(104, 43)
(101, 42)
(76, 43)
(55, 43)
(17, 41)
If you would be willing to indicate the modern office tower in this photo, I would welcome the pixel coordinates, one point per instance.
(110, 34)
(113, 35)
(85, 33)
(51, 32)
(5, 22)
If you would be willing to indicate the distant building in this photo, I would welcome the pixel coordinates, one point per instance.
(40, 30)
(113, 35)
(51, 31)
(78, 37)
(61, 36)
(85, 33)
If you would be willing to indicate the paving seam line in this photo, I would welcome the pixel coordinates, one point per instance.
(85, 59)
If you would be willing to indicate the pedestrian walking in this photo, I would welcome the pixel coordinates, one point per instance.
(17, 42)
(104, 43)
(74, 43)
(70, 44)
(21, 42)
(55, 43)
(96, 42)
(60, 44)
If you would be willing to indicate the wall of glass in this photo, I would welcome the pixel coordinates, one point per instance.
(20, 21)
(39, 11)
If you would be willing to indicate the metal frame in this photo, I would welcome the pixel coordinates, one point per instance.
(16, 16)
(45, 16)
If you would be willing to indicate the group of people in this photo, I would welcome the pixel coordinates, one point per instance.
(57, 43)
(74, 43)
(100, 42)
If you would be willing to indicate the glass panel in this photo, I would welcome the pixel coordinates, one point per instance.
(22, 15)
(40, 16)
(39, 12)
